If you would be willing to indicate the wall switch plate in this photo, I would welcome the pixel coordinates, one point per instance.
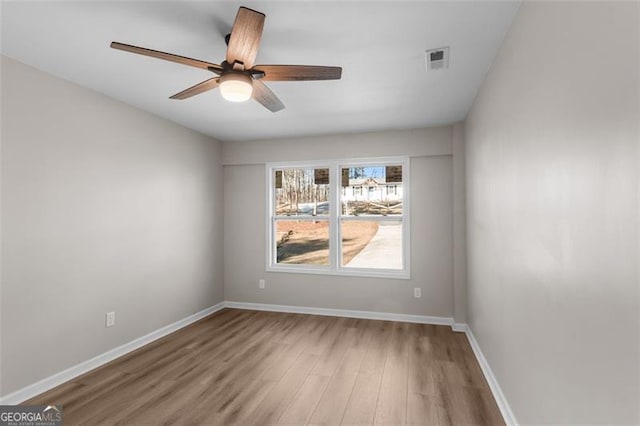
(110, 319)
(417, 292)
(261, 283)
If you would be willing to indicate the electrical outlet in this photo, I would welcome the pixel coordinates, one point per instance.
(261, 283)
(417, 292)
(110, 319)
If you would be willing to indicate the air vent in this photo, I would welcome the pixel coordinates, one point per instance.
(437, 59)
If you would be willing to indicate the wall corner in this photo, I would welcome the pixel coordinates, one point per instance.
(459, 225)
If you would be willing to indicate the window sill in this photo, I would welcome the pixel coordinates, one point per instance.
(343, 272)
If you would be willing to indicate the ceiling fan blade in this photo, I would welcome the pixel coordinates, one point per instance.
(298, 72)
(168, 57)
(266, 97)
(212, 83)
(245, 37)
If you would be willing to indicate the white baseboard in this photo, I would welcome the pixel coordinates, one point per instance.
(503, 405)
(95, 362)
(460, 327)
(385, 316)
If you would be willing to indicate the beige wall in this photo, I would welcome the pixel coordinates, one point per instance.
(104, 208)
(431, 225)
(552, 182)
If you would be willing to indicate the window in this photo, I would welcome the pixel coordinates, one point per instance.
(301, 216)
(339, 217)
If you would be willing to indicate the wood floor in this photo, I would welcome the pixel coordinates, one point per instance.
(252, 368)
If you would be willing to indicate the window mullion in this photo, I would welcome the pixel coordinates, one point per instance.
(334, 226)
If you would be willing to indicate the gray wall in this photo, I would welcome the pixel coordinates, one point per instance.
(431, 225)
(414, 143)
(104, 208)
(552, 182)
(459, 225)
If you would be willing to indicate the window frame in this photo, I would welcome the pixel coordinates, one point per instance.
(335, 218)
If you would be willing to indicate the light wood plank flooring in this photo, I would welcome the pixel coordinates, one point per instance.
(253, 368)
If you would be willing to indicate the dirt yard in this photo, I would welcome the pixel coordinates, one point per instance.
(307, 242)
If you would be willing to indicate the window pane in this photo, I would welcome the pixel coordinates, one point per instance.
(302, 242)
(302, 192)
(371, 244)
(372, 190)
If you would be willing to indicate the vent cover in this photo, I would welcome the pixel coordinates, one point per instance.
(437, 59)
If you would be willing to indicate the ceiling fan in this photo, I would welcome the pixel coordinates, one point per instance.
(237, 76)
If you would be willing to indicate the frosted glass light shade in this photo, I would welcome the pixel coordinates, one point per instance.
(236, 87)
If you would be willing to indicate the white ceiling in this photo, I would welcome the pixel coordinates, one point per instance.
(380, 46)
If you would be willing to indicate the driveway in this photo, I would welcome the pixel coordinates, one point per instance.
(384, 251)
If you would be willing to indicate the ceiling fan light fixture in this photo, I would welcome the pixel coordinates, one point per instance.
(236, 86)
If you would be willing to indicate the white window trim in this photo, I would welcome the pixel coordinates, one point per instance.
(334, 218)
